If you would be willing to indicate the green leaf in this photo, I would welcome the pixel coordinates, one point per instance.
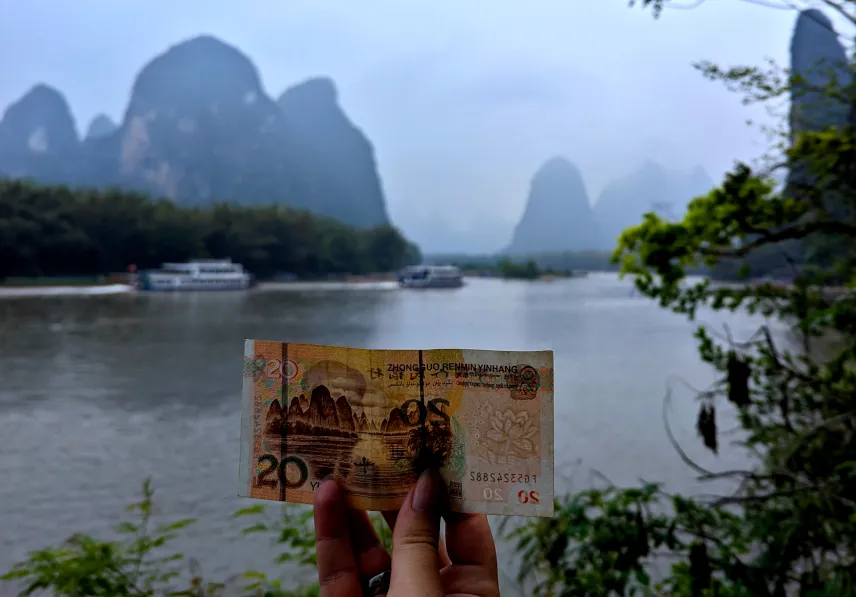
(250, 511)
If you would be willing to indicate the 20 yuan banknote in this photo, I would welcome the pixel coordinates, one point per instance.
(374, 419)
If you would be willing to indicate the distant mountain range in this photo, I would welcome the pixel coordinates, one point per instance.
(198, 128)
(559, 217)
(322, 415)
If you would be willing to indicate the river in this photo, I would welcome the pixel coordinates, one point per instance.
(99, 393)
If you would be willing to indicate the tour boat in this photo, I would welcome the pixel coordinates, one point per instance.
(431, 276)
(203, 274)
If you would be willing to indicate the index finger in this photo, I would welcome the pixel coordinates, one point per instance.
(390, 516)
(371, 556)
(469, 540)
(338, 573)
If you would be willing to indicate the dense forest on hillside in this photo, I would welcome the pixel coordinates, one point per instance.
(57, 231)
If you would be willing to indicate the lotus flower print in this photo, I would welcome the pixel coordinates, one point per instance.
(511, 435)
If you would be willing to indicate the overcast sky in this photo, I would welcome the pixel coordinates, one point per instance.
(463, 99)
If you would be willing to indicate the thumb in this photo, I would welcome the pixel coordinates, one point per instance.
(415, 559)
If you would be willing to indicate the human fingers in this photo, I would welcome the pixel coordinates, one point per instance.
(390, 515)
(469, 540)
(338, 573)
(473, 554)
(371, 555)
(415, 559)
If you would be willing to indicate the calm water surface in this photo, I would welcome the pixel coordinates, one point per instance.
(100, 393)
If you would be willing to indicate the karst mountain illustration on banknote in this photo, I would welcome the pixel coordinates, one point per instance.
(374, 419)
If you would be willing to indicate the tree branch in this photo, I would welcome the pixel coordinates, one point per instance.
(840, 9)
(797, 232)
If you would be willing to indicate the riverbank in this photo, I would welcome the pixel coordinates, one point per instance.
(300, 286)
(36, 291)
(506, 269)
(46, 291)
(49, 288)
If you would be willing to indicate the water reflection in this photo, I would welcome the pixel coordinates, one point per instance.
(144, 352)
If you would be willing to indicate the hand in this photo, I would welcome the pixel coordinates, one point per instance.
(350, 553)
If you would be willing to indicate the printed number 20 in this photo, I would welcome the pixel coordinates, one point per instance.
(492, 494)
(528, 497)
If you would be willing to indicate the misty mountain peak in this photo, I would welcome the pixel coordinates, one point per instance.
(334, 157)
(202, 71)
(650, 187)
(699, 172)
(557, 216)
(812, 19)
(198, 128)
(559, 169)
(101, 126)
(39, 122)
(555, 178)
(318, 91)
(700, 181)
(556, 163)
(38, 137)
(650, 171)
(819, 58)
(815, 45)
(198, 121)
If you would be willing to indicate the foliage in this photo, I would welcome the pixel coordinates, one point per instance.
(557, 262)
(57, 231)
(790, 526)
(294, 530)
(83, 565)
(506, 268)
(565, 263)
(524, 271)
(141, 566)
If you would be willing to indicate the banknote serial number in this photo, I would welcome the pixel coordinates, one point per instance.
(502, 477)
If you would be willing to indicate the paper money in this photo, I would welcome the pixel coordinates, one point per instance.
(374, 419)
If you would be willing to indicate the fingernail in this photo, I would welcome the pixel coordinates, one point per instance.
(427, 490)
(329, 477)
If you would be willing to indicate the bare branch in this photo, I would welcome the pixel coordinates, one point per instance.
(835, 5)
(841, 10)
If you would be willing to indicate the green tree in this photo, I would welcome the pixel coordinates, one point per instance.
(387, 248)
(57, 231)
(790, 527)
(525, 271)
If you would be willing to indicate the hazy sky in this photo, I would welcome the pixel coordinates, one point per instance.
(462, 99)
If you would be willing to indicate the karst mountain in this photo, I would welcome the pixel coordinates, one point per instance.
(199, 128)
(559, 217)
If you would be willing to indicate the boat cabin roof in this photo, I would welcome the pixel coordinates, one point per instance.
(445, 269)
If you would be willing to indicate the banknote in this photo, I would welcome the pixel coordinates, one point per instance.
(374, 419)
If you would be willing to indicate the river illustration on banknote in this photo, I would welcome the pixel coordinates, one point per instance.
(374, 419)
